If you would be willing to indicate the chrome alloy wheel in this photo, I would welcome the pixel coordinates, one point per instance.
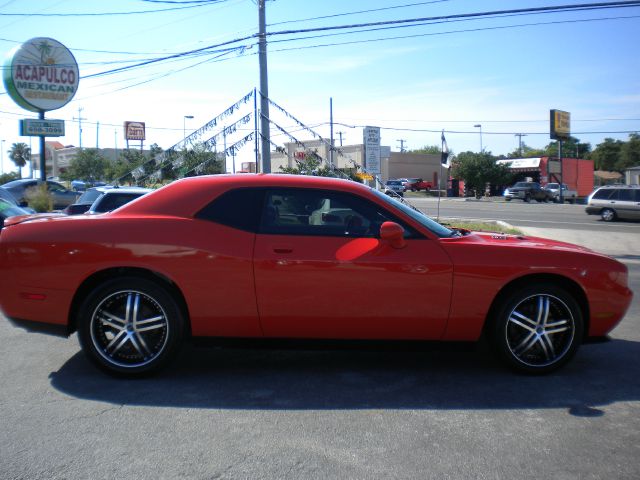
(129, 329)
(540, 330)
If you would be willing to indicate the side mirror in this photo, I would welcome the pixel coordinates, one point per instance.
(393, 234)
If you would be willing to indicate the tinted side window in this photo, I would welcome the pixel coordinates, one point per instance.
(238, 208)
(626, 194)
(603, 194)
(324, 213)
(637, 190)
(54, 187)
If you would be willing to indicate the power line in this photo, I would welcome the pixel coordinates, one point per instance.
(162, 59)
(532, 10)
(110, 14)
(449, 32)
(324, 17)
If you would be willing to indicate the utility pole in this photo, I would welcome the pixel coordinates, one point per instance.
(340, 135)
(331, 147)
(79, 119)
(264, 87)
(402, 150)
(520, 135)
(97, 134)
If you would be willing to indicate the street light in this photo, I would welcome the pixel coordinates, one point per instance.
(184, 125)
(480, 127)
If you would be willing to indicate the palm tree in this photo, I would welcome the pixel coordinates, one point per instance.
(20, 154)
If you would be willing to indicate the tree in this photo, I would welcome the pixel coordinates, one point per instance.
(20, 154)
(572, 148)
(607, 154)
(88, 165)
(479, 169)
(122, 169)
(429, 150)
(8, 177)
(527, 152)
(200, 160)
(629, 153)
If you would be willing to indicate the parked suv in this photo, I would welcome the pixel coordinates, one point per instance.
(394, 186)
(115, 198)
(612, 202)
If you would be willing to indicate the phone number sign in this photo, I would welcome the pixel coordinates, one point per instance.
(41, 128)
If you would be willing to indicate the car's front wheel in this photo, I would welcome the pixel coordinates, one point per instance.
(130, 326)
(538, 329)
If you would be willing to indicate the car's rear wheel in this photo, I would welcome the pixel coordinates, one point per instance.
(608, 215)
(538, 329)
(130, 326)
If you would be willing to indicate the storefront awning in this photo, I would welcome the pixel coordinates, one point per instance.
(522, 164)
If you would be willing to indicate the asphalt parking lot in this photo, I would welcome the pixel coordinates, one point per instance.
(429, 412)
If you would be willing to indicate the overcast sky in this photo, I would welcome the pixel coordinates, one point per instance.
(501, 73)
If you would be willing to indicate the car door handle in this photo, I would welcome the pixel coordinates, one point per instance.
(282, 249)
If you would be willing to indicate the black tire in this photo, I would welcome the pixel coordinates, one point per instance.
(537, 329)
(110, 331)
(608, 214)
(507, 199)
(527, 198)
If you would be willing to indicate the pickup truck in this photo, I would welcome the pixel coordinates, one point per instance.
(527, 191)
(417, 184)
(567, 195)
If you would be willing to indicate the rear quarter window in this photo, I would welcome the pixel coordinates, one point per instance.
(240, 208)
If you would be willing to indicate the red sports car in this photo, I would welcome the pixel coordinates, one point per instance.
(285, 256)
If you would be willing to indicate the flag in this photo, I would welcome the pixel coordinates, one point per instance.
(445, 152)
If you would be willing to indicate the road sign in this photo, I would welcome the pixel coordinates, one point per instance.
(31, 127)
(372, 149)
(560, 125)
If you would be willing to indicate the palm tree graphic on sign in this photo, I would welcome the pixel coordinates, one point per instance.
(45, 50)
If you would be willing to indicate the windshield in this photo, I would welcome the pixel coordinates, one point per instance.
(394, 182)
(9, 210)
(522, 184)
(90, 195)
(418, 216)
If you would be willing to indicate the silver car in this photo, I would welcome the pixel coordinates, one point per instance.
(614, 202)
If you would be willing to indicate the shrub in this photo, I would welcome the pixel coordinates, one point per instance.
(39, 198)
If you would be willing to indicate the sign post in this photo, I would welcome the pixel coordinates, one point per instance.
(371, 137)
(41, 75)
(560, 129)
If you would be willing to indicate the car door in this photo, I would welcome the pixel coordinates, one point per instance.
(321, 271)
(627, 203)
(61, 196)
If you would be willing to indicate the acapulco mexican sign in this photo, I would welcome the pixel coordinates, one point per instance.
(41, 75)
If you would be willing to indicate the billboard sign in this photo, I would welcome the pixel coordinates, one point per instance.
(30, 127)
(560, 125)
(372, 149)
(134, 130)
(41, 75)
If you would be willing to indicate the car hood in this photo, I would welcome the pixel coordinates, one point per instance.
(501, 239)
